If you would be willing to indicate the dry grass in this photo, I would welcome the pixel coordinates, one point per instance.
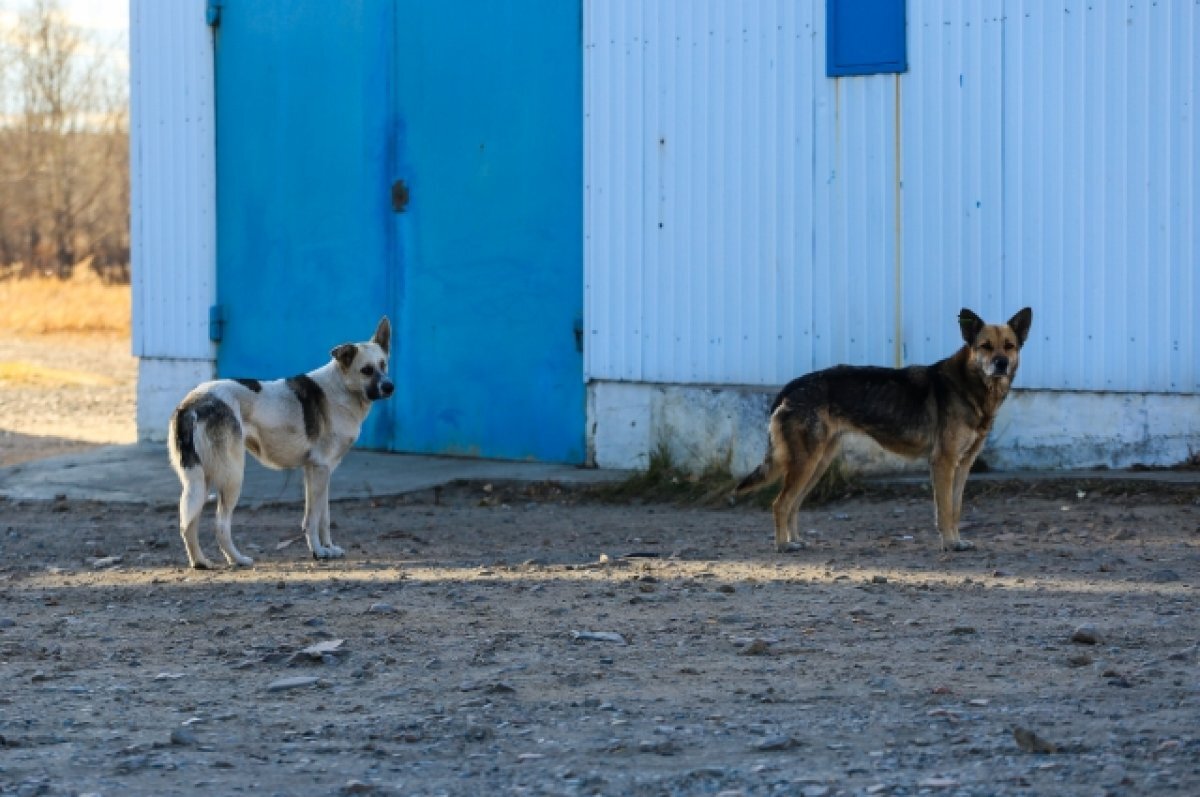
(22, 374)
(82, 304)
(664, 482)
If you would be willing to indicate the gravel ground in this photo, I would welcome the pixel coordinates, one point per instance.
(542, 644)
(490, 639)
(70, 393)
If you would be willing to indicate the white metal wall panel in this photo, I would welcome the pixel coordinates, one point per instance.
(172, 177)
(854, 256)
(951, 157)
(1183, 154)
(719, 172)
(1101, 188)
(613, 189)
(745, 220)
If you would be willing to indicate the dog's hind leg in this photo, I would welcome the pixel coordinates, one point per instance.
(227, 498)
(784, 508)
(807, 473)
(191, 505)
(827, 455)
(188, 466)
(227, 480)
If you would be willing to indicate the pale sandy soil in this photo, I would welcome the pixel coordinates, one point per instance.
(458, 659)
(64, 393)
(535, 641)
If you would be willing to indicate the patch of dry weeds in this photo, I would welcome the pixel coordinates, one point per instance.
(47, 305)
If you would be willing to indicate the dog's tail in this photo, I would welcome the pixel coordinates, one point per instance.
(768, 471)
(180, 441)
(198, 423)
(761, 476)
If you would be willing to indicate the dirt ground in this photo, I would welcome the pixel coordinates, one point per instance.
(506, 640)
(542, 644)
(63, 394)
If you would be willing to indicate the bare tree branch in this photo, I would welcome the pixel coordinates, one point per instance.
(64, 161)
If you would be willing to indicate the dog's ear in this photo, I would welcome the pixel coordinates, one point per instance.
(383, 335)
(344, 354)
(970, 325)
(1019, 324)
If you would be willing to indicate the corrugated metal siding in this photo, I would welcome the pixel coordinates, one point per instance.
(172, 179)
(712, 160)
(614, 200)
(1101, 187)
(854, 254)
(952, 151)
(742, 223)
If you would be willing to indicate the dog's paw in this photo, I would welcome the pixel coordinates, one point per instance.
(204, 564)
(332, 552)
(243, 561)
(958, 545)
(794, 546)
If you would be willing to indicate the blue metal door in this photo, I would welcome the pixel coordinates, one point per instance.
(303, 214)
(421, 159)
(489, 115)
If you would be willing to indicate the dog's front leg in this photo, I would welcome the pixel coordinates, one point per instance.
(325, 537)
(316, 512)
(943, 467)
(961, 473)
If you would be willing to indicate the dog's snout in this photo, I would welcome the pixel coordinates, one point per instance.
(1000, 364)
(379, 388)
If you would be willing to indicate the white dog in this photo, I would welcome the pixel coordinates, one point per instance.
(307, 421)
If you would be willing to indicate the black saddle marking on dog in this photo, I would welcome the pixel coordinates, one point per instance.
(312, 403)
(252, 384)
(218, 420)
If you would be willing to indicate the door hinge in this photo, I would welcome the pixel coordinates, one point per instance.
(216, 323)
(212, 13)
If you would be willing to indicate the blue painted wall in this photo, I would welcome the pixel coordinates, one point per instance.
(490, 142)
(303, 142)
(477, 107)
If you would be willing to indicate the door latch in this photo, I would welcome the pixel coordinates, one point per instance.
(399, 196)
(216, 323)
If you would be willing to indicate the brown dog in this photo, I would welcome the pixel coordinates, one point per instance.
(942, 411)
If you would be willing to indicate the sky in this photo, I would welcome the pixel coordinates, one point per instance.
(107, 17)
(105, 25)
(107, 20)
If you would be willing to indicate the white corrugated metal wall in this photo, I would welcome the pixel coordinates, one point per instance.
(749, 219)
(709, 167)
(172, 178)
